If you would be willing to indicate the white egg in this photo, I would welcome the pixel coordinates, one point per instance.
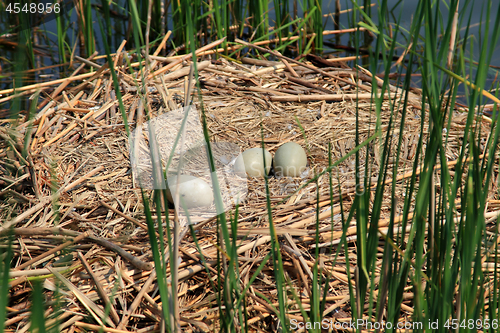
(239, 166)
(251, 161)
(290, 160)
(193, 192)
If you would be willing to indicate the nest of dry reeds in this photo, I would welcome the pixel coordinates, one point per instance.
(78, 216)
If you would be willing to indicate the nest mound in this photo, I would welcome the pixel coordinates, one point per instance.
(78, 215)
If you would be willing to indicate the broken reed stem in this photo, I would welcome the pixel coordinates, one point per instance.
(138, 299)
(328, 98)
(77, 239)
(145, 266)
(131, 219)
(100, 289)
(33, 87)
(81, 179)
(138, 263)
(186, 57)
(237, 40)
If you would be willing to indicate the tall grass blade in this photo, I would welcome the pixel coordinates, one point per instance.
(37, 323)
(5, 262)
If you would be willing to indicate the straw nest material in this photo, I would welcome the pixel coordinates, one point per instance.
(78, 215)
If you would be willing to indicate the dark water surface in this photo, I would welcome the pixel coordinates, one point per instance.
(46, 50)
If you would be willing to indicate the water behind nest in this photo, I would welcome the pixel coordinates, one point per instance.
(48, 55)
